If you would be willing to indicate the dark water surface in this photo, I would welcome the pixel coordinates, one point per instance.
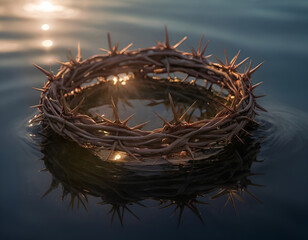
(272, 30)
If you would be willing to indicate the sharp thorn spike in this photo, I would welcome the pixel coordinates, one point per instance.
(75, 109)
(102, 117)
(38, 89)
(125, 48)
(180, 42)
(175, 115)
(115, 111)
(219, 60)
(161, 118)
(139, 126)
(200, 44)
(235, 58)
(184, 114)
(104, 50)
(78, 57)
(42, 70)
(127, 119)
(256, 85)
(226, 58)
(204, 49)
(239, 64)
(167, 38)
(253, 70)
(109, 41)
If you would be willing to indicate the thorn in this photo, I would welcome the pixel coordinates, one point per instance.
(205, 47)
(249, 67)
(39, 89)
(261, 96)
(167, 38)
(161, 118)
(112, 150)
(226, 58)
(66, 108)
(115, 112)
(63, 63)
(239, 139)
(140, 125)
(253, 196)
(233, 203)
(129, 153)
(190, 152)
(200, 44)
(235, 58)
(193, 51)
(78, 57)
(261, 108)
(256, 85)
(238, 65)
(127, 119)
(184, 114)
(109, 41)
(69, 55)
(75, 109)
(219, 60)
(104, 50)
(253, 70)
(42, 70)
(175, 115)
(36, 106)
(105, 119)
(125, 48)
(115, 48)
(180, 42)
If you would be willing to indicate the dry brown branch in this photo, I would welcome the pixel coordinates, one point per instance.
(177, 135)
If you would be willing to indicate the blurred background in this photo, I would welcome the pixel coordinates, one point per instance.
(41, 32)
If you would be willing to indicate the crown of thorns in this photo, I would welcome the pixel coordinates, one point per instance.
(178, 135)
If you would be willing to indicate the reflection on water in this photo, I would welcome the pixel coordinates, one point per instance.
(45, 27)
(82, 173)
(47, 43)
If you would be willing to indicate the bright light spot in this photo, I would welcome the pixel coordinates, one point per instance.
(115, 80)
(232, 97)
(123, 83)
(47, 43)
(43, 7)
(45, 27)
(117, 157)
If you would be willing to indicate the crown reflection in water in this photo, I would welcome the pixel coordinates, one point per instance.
(174, 180)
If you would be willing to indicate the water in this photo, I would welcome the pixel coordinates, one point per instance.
(274, 31)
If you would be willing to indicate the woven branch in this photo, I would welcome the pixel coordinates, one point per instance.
(175, 136)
